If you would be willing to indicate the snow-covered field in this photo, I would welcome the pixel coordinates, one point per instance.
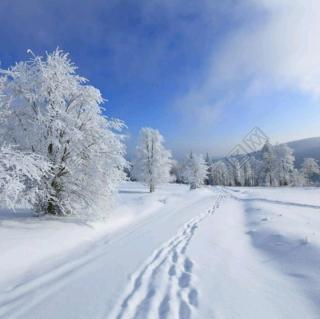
(209, 253)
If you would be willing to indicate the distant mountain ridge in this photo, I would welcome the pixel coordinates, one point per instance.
(304, 148)
(307, 147)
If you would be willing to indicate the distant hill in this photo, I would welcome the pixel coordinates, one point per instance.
(308, 147)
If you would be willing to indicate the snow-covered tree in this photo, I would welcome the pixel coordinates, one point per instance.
(247, 174)
(256, 171)
(310, 169)
(236, 172)
(219, 173)
(269, 165)
(298, 178)
(49, 110)
(153, 161)
(284, 164)
(20, 176)
(278, 165)
(195, 170)
(208, 161)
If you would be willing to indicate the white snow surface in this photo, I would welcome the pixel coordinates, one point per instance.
(214, 252)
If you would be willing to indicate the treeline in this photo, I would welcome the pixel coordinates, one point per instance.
(272, 166)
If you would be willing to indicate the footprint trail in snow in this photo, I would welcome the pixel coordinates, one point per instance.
(164, 287)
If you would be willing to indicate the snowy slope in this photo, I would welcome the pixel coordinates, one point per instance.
(209, 253)
(85, 280)
(258, 261)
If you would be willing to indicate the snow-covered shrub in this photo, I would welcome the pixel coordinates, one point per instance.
(20, 176)
(50, 111)
(153, 161)
(195, 170)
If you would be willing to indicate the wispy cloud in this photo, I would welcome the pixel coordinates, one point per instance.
(275, 48)
(201, 109)
(281, 50)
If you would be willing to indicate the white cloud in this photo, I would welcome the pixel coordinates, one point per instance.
(200, 108)
(282, 50)
(278, 48)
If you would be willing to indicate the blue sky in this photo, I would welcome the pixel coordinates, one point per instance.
(203, 72)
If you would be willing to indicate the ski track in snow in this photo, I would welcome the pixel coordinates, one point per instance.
(164, 286)
(265, 200)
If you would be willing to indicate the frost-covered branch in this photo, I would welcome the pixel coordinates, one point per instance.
(21, 176)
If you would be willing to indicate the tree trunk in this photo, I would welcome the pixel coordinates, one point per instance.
(152, 188)
(53, 207)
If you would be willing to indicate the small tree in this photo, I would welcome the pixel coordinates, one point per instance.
(269, 165)
(284, 164)
(310, 169)
(153, 161)
(195, 170)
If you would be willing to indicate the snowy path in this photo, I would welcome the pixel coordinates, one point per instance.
(163, 286)
(88, 281)
(234, 253)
